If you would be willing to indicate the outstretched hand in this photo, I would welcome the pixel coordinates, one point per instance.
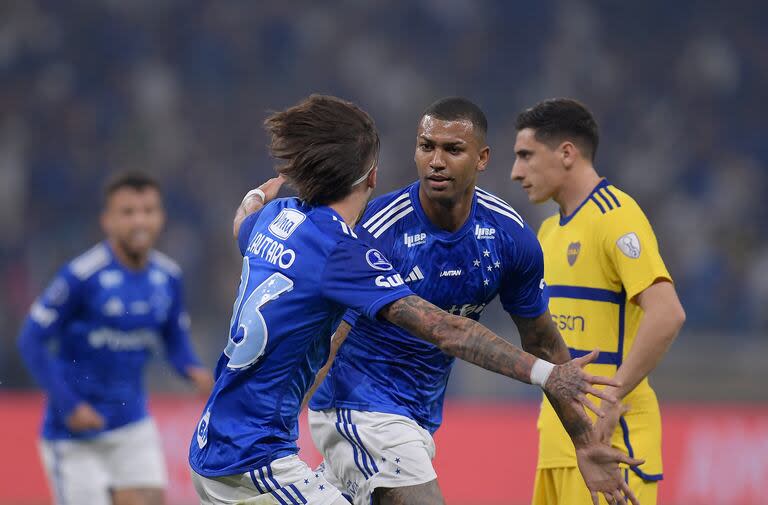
(569, 384)
(598, 464)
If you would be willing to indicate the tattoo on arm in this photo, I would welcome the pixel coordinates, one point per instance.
(539, 336)
(460, 337)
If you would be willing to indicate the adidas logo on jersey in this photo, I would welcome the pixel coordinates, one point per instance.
(415, 275)
(484, 233)
(451, 273)
(413, 240)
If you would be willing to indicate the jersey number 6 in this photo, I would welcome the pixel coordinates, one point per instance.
(248, 330)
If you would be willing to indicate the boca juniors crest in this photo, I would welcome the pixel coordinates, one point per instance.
(573, 252)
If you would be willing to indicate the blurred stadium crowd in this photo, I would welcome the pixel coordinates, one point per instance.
(178, 88)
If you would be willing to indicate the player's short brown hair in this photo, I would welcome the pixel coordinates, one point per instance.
(326, 144)
(559, 119)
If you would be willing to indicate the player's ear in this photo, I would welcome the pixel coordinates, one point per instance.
(485, 157)
(567, 152)
(372, 177)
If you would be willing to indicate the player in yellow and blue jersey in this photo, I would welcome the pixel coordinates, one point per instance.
(608, 289)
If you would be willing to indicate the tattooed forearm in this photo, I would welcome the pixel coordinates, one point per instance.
(460, 337)
(539, 336)
(577, 427)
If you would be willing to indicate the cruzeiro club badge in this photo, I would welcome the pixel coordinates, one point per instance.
(629, 244)
(573, 252)
(377, 260)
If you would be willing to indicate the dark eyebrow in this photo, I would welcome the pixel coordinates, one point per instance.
(455, 143)
(520, 152)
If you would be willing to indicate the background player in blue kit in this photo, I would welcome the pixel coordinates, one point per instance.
(459, 247)
(303, 266)
(104, 314)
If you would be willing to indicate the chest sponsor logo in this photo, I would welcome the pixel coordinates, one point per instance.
(484, 233)
(136, 340)
(629, 244)
(272, 251)
(456, 272)
(569, 322)
(389, 281)
(377, 260)
(573, 252)
(286, 223)
(414, 240)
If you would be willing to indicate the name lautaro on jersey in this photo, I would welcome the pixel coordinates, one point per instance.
(272, 251)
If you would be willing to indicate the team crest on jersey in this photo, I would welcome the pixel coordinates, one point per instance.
(202, 429)
(573, 252)
(377, 260)
(286, 223)
(629, 244)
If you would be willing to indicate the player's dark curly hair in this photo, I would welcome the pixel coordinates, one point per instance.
(559, 119)
(326, 143)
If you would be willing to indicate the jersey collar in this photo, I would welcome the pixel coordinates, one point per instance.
(566, 219)
(443, 235)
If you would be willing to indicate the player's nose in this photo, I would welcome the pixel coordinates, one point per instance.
(437, 160)
(517, 172)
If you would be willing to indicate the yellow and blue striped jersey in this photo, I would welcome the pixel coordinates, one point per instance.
(596, 261)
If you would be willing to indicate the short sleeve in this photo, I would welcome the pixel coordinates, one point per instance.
(522, 289)
(361, 278)
(631, 249)
(246, 227)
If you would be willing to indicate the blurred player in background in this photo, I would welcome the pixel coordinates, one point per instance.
(459, 247)
(303, 267)
(608, 289)
(87, 340)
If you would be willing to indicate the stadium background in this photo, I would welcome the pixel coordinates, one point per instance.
(179, 88)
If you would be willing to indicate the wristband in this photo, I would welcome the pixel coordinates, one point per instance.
(540, 372)
(255, 192)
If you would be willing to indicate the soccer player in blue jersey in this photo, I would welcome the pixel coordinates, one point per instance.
(459, 247)
(303, 267)
(87, 340)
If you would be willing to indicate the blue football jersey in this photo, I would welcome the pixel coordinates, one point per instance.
(382, 368)
(302, 268)
(89, 335)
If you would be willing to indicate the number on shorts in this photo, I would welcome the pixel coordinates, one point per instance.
(248, 331)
